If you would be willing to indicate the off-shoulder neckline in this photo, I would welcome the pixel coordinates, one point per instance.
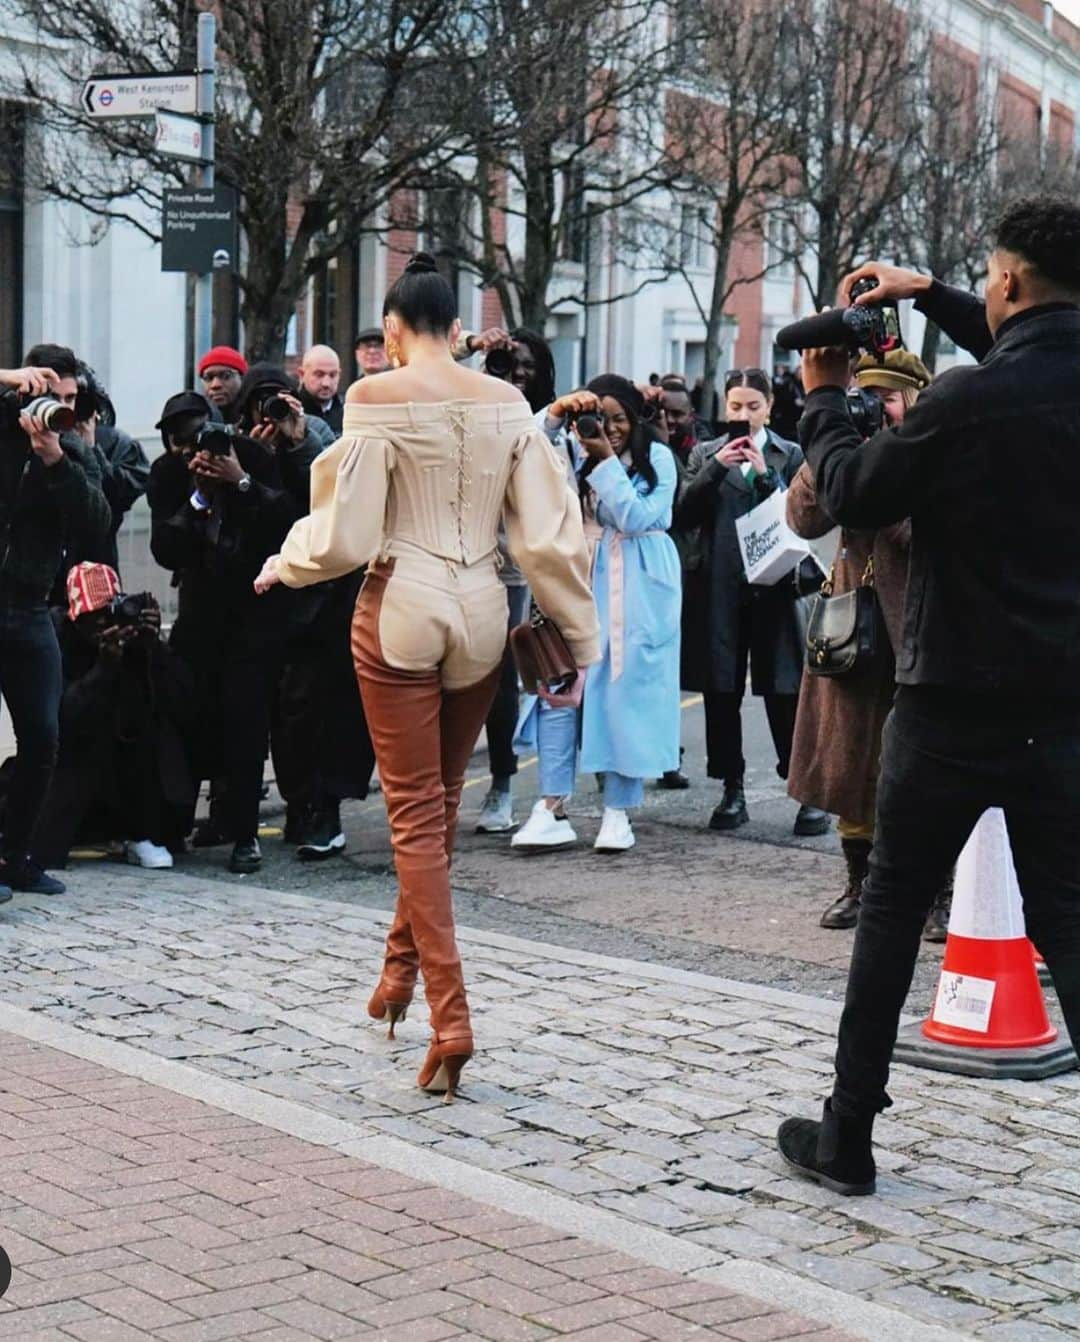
(436, 405)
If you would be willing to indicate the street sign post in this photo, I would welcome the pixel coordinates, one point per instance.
(140, 95)
(179, 136)
(198, 230)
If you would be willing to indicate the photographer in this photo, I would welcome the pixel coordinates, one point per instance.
(221, 500)
(987, 710)
(47, 498)
(127, 706)
(320, 376)
(221, 372)
(837, 747)
(728, 621)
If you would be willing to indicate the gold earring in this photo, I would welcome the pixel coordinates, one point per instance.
(393, 351)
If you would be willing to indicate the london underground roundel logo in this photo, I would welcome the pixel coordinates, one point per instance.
(105, 97)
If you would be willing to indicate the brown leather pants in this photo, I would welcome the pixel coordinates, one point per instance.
(424, 737)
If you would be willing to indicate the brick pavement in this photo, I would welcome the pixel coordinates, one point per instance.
(623, 1087)
(130, 1213)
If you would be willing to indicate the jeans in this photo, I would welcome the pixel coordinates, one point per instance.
(31, 682)
(946, 758)
(502, 720)
(557, 741)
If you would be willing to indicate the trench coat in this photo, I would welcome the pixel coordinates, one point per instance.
(714, 582)
(837, 746)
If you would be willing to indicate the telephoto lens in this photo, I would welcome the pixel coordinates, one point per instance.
(56, 416)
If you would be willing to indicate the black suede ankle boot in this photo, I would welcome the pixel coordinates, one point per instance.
(836, 1153)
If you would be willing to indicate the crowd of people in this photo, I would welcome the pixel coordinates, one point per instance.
(238, 679)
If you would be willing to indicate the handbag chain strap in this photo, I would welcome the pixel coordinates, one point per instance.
(867, 579)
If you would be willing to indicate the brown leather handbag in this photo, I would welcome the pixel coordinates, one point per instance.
(541, 654)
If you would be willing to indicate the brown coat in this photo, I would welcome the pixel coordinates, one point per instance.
(834, 759)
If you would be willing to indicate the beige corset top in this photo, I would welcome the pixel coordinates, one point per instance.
(440, 477)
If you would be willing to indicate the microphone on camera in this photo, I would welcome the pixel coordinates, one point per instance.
(824, 328)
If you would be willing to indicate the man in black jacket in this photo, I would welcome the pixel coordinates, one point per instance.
(987, 711)
(47, 498)
(217, 511)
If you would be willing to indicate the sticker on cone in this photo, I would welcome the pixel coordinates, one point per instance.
(964, 1002)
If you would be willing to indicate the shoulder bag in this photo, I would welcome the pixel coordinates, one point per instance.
(845, 635)
(541, 654)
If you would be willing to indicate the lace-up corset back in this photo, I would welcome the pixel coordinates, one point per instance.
(451, 464)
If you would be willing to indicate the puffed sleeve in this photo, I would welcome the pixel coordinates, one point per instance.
(543, 522)
(805, 516)
(344, 528)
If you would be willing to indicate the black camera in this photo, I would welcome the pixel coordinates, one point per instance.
(866, 410)
(126, 610)
(499, 362)
(874, 327)
(275, 408)
(215, 439)
(589, 424)
(56, 416)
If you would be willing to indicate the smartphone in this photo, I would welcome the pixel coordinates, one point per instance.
(737, 428)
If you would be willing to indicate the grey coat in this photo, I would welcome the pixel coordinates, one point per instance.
(715, 590)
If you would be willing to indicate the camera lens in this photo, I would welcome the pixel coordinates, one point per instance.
(276, 408)
(56, 417)
(215, 439)
(587, 426)
(499, 362)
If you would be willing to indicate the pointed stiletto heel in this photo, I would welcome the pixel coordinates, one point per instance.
(380, 1009)
(442, 1068)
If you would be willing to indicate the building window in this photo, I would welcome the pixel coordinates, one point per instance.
(574, 233)
(325, 295)
(780, 245)
(12, 164)
(446, 213)
(695, 237)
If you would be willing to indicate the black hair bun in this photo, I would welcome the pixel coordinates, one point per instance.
(421, 263)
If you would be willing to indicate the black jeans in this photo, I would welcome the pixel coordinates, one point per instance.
(946, 758)
(502, 720)
(31, 682)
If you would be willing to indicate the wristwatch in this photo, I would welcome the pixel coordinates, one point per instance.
(244, 483)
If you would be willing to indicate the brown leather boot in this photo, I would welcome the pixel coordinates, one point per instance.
(844, 912)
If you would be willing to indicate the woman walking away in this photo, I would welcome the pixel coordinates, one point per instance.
(432, 455)
(733, 621)
(629, 719)
(837, 748)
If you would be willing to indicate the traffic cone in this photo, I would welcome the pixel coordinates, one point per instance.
(989, 1017)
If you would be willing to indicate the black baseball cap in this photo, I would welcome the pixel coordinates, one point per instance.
(371, 335)
(184, 403)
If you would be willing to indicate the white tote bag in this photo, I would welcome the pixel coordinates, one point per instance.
(770, 549)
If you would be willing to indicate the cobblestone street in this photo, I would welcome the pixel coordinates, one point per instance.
(630, 1105)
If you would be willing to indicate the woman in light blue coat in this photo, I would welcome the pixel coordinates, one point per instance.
(628, 723)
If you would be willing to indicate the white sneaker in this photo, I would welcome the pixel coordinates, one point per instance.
(544, 829)
(143, 853)
(496, 814)
(615, 834)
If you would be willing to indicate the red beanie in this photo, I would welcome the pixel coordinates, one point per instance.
(223, 356)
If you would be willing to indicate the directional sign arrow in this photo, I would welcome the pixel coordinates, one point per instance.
(88, 96)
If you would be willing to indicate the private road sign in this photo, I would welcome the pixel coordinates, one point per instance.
(140, 95)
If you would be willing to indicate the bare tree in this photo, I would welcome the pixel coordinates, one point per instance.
(943, 222)
(324, 110)
(566, 129)
(731, 138)
(858, 72)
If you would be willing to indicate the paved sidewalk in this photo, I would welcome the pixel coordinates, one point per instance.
(132, 1213)
(642, 1097)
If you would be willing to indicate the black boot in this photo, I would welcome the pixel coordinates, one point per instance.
(811, 821)
(246, 856)
(674, 779)
(836, 1153)
(732, 812)
(844, 912)
(936, 927)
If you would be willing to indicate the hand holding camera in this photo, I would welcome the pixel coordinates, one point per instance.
(217, 468)
(891, 284)
(44, 441)
(30, 381)
(112, 641)
(281, 416)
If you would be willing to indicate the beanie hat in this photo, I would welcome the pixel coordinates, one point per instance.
(90, 587)
(223, 356)
(901, 370)
(620, 389)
